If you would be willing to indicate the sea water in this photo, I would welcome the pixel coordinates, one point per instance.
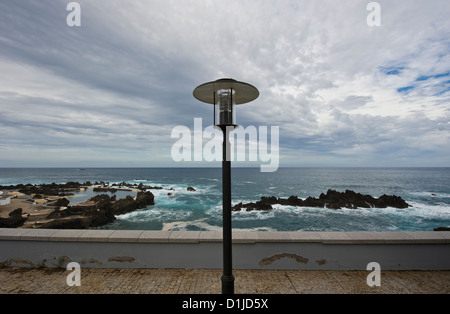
(427, 190)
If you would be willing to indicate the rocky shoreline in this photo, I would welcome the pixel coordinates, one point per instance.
(58, 213)
(47, 206)
(332, 200)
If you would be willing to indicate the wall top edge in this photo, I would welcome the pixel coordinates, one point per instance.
(153, 236)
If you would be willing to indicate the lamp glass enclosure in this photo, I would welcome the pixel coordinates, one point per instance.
(225, 112)
(224, 94)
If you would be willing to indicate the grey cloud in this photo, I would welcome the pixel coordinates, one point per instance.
(353, 102)
(125, 77)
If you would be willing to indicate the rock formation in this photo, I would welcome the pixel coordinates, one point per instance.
(14, 220)
(333, 200)
(58, 213)
(442, 229)
(50, 189)
(97, 211)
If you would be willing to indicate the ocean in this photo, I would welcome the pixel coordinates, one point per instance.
(427, 190)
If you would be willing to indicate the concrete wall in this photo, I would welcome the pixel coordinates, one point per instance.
(203, 249)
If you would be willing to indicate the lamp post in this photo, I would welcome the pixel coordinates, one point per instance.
(225, 94)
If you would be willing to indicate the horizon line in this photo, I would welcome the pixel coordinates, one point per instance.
(219, 167)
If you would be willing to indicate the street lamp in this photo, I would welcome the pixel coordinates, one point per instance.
(225, 94)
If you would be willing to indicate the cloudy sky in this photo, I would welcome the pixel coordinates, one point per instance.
(110, 92)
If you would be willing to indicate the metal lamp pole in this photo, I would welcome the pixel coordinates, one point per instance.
(227, 276)
(226, 93)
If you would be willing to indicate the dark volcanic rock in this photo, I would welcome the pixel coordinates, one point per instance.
(128, 204)
(333, 200)
(252, 206)
(442, 229)
(105, 189)
(391, 201)
(50, 189)
(54, 214)
(97, 211)
(61, 202)
(101, 217)
(124, 205)
(14, 220)
(102, 198)
(144, 199)
(16, 212)
(72, 222)
(351, 199)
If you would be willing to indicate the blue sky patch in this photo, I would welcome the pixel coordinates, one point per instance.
(427, 77)
(446, 88)
(405, 90)
(420, 82)
(393, 70)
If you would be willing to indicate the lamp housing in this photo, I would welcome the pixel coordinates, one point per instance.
(225, 94)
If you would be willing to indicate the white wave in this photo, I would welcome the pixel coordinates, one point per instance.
(154, 214)
(253, 214)
(441, 211)
(200, 223)
(181, 189)
(183, 225)
(431, 194)
(318, 212)
(210, 179)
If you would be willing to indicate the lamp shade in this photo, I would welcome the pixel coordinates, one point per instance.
(226, 93)
(243, 92)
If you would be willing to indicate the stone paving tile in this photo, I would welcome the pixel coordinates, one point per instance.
(207, 281)
(313, 282)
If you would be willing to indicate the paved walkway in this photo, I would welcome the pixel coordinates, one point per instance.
(207, 281)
